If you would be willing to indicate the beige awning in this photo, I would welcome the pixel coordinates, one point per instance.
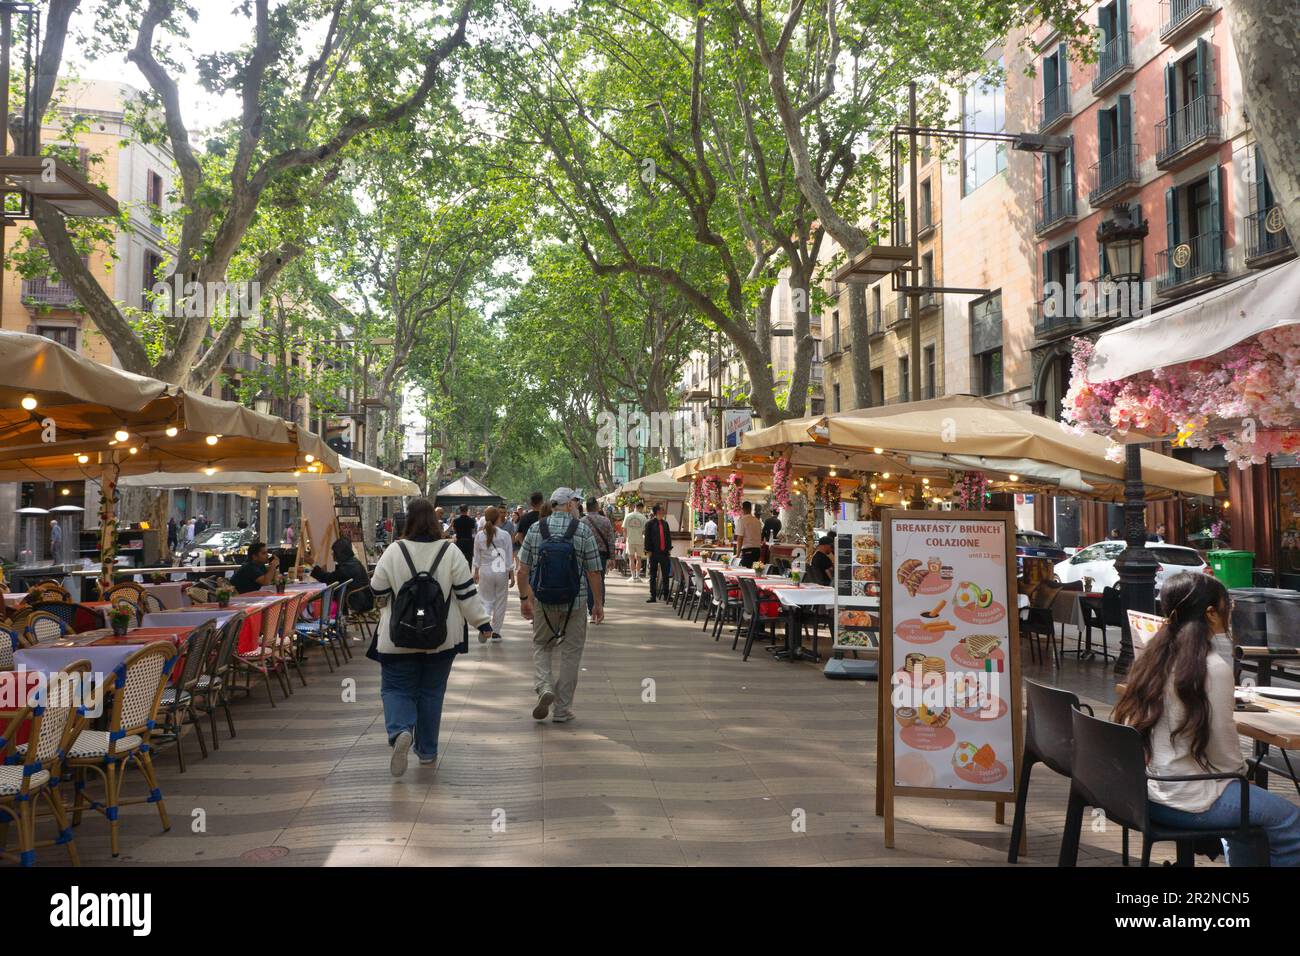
(81, 405)
(362, 480)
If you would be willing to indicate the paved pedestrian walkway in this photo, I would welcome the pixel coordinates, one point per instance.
(682, 754)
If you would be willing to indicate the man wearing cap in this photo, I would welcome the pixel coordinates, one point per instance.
(659, 546)
(821, 567)
(557, 628)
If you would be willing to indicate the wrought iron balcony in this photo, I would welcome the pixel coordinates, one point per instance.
(1053, 107)
(1198, 258)
(1178, 16)
(875, 321)
(1055, 318)
(1054, 208)
(1114, 175)
(49, 294)
(1114, 60)
(1267, 239)
(1184, 134)
(896, 312)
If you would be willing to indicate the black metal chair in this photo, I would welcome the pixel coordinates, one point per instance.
(1049, 740)
(724, 606)
(755, 619)
(1109, 773)
(1112, 612)
(1090, 610)
(211, 689)
(177, 705)
(700, 589)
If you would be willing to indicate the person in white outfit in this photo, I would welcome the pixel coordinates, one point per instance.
(493, 569)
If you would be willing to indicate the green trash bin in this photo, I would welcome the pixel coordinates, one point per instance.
(1236, 569)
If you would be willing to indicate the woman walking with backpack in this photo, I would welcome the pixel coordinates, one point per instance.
(428, 596)
(493, 569)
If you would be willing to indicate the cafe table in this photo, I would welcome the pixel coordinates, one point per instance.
(796, 601)
(171, 594)
(190, 617)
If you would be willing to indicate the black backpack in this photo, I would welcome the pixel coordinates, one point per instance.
(419, 619)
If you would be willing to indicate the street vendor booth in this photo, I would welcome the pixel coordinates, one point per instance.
(466, 491)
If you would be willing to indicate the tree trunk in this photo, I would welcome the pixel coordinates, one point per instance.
(860, 346)
(1268, 51)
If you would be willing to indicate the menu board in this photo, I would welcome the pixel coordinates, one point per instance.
(950, 706)
(857, 585)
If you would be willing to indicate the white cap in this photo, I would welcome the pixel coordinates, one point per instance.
(562, 496)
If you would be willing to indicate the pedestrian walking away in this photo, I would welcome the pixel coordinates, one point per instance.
(463, 526)
(494, 569)
(559, 564)
(634, 523)
(603, 529)
(659, 548)
(428, 596)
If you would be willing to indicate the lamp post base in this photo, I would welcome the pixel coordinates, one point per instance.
(1137, 565)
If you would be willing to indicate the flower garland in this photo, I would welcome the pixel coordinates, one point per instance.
(697, 494)
(968, 490)
(809, 519)
(735, 492)
(108, 500)
(712, 493)
(1245, 398)
(831, 499)
(781, 482)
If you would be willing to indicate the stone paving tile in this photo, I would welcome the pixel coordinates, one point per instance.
(733, 763)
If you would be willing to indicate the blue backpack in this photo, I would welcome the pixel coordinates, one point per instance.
(556, 577)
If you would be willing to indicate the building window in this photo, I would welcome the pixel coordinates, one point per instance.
(904, 380)
(990, 372)
(155, 189)
(986, 343)
(928, 371)
(984, 111)
(150, 277)
(926, 212)
(65, 335)
(878, 386)
(835, 397)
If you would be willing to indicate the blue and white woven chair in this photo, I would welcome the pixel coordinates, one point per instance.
(42, 626)
(137, 687)
(8, 644)
(39, 764)
(317, 632)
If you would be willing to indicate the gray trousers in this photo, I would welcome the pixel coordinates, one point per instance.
(569, 651)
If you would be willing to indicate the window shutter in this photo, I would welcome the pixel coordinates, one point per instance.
(1063, 67)
(1216, 213)
(1105, 24)
(1171, 92)
(1263, 191)
(1047, 274)
(1203, 86)
(1124, 120)
(1072, 269)
(1104, 146)
(1171, 219)
(1121, 17)
(1046, 164)
(1067, 173)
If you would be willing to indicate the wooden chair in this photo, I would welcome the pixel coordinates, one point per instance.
(50, 590)
(42, 626)
(177, 702)
(65, 611)
(53, 726)
(136, 687)
(198, 594)
(211, 688)
(288, 647)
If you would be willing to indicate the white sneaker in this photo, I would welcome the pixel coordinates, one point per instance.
(496, 638)
(428, 761)
(563, 718)
(401, 751)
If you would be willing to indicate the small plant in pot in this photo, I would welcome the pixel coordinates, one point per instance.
(119, 619)
(224, 595)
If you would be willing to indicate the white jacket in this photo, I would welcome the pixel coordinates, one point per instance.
(453, 576)
(484, 553)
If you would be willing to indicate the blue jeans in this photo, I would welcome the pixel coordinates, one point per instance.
(412, 687)
(1279, 817)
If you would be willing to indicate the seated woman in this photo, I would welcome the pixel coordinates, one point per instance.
(348, 568)
(1179, 695)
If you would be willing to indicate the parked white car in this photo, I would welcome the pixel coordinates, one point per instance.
(1097, 561)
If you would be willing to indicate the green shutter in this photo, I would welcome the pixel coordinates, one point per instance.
(1072, 267)
(1171, 219)
(1171, 91)
(1046, 163)
(1067, 174)
(1203, 67)
(1124, 120)
(1063, 67)
(1263, 191)
(1121, 17)
(1047, 272)
(1216, 216)
(1104, 146)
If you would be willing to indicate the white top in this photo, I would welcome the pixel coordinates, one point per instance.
(634, 525)
(495, 557)
(453, 576)
(1174, 757)
(710, 529)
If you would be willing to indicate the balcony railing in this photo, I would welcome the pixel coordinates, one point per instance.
(1053, 106)
(931, 300)
(1175, 15)
(1191, 259)
(1054, 207)
(1196, 124)
(1113, 174)
(928, 221)
(1263, 239)
(875, 321)
(1113, 59)
(817, 372)
(42, 291)
(1055, 318)
(896, 312)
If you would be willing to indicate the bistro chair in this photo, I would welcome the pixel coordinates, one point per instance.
(290, 647)
(264, 659)
(65, 611)
(725, 604)
(198, 594)
(1049, 740)
(136, 687)
(338, 625)
(757, 617)
(8, 644)
(177, 703)
(211, 688)
(316, 632)
(1090, 609)
(364, 621)
(150, 602)
(1109, 773)
(130, 590)
(700, 586)
(42, 626)
(50, 590)
(53, 724)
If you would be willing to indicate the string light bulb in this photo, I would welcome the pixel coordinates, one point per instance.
(121, 434)
(878, 451)
(172, 431)
(209, 471)
(925, 481)
(66, 491)
(29, 403)
(211, 439)
(1014, 477)
(885, 475)
(83, 459)
(309, 458)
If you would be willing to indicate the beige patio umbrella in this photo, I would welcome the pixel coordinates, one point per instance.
(360, 479)
(64, 416)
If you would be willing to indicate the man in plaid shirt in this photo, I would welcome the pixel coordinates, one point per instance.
(555, 627)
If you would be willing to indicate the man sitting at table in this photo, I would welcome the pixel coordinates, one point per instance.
(348, 568)
(821, 567)
(259, 569)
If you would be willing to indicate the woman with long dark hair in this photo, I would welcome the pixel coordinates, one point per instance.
(413, 680)
(1179, 695)
(494, 570)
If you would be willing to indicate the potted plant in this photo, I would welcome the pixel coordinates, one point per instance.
(119, 618)
(223, 596)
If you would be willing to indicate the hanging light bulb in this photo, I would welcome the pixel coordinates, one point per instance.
(297, 472)
(209, 471)
(133, 450)
(211, 439)
(885, 475)
(925, 481)
(83, 459)
(29, 402)
(121, 434)
(1015, 477)
(309, 458)
(66, 491)
(873, 486)
(172, 431)
(878, 451)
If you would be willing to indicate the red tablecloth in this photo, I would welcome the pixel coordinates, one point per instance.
(253, 604)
